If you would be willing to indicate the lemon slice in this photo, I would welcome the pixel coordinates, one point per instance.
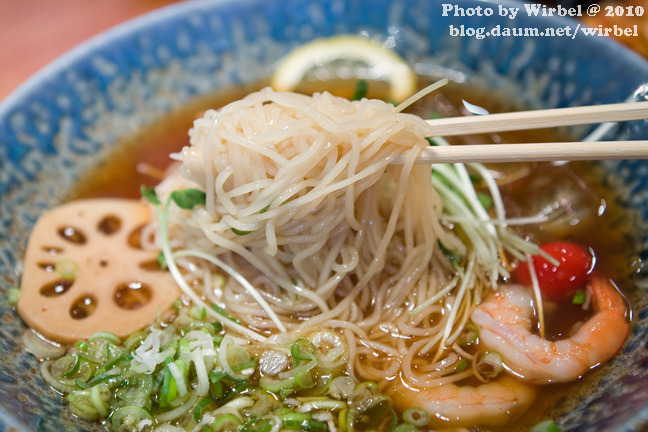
(345, 57)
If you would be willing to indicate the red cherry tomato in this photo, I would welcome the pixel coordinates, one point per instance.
(558, 282)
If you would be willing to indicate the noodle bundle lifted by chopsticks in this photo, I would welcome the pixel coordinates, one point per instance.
(302, 189)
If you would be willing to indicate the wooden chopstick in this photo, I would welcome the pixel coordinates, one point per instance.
(538, 119)
(532, 152)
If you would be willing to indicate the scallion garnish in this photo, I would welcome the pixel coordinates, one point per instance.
(579, 297)
(201, 406)
(469, 334)
(461, 366)
(361, 90)
(546, 426)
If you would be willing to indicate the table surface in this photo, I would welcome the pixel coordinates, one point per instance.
(35, 32)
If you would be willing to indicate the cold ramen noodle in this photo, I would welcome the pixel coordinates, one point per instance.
(284, 275)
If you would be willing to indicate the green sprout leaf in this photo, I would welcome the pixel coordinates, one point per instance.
(149, 195)
(188, 198)
(240, 232)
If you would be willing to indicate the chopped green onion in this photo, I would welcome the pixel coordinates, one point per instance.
(75, 368)
(12, 296)
(310, 425)
(169, 389)
(380, 414)
(109, 379)
(66, 268)
(469, 334)
(296, 417)
(341, 387)
(405, 427)
(302, 421)
(226, 422)
(134, 340)
(129, 418)
(216, 376)
(361, 90)
(81, 404)
(490, 364)
(342, 419)
(224, 387)
(120, 358)
(546, 426)
(256, 425)
(104, 335)
(304, 380)
(88, 359)
(83, 346)
(217, 339)
(189, 198)
(201, 406)
(64, 363)
(579, 297)
(461, 366)
(330, 348)
(216, 379)
(241, 366)
(417, 416)
(199, 313)
(302, 350)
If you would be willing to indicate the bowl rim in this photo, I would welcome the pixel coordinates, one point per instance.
(177, 10)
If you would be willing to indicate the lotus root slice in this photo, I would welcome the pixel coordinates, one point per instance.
(85, 271)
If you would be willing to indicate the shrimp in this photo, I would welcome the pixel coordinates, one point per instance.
(450, 405)
(505, 319)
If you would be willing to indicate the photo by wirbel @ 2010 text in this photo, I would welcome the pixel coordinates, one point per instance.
(535, 9)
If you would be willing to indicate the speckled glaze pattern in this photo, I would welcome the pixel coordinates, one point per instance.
(66, 118)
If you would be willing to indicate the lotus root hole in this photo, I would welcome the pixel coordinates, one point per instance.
(109, 225)
(135, 238)
(133, 295)
(150, 265)
(71, 234)
(56, 288)
(52, 250)
(47, 266)
(83, 307)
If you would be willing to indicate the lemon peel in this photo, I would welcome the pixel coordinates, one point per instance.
(375, 62)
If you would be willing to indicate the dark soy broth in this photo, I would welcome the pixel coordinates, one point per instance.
(576, 202)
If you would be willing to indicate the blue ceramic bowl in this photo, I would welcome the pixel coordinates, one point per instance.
(67, 117)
